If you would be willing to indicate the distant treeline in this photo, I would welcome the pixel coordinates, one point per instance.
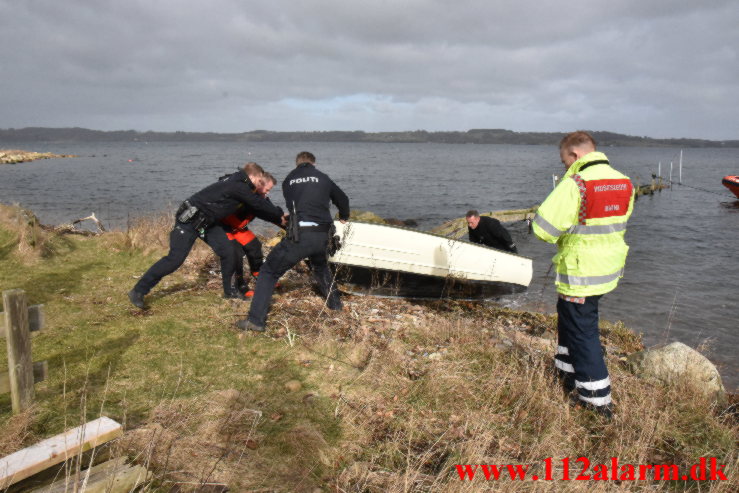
(474, 136)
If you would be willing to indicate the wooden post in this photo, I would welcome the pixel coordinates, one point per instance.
(20, 363)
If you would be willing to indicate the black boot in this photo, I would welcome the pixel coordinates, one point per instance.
(236, 295)
(565, 380)
(244, 325)
(606, 411)
(136, 298)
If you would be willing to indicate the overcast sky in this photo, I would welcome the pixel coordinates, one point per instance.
(639, 67)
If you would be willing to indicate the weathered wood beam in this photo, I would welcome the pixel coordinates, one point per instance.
(36, 319)
(20, 362)
(40, 373)
(29, 461)
(456, 228)
(114, 476)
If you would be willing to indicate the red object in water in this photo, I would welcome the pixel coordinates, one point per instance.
(732, 183)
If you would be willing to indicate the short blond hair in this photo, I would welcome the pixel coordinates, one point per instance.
(577, 139)
(252, 168)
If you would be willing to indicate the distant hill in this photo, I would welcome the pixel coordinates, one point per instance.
(474, 136)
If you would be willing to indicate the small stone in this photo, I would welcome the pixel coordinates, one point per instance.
(293, 385)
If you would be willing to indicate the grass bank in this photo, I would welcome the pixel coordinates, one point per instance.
(387, 395)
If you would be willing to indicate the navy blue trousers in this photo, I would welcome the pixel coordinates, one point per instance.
(284, 256)
(254, 256)
(181, 240)
(579, 353)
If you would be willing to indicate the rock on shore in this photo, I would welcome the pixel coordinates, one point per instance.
(18, 156)
(677, 362)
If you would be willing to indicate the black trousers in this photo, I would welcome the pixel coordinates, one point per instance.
(284, 256)
(181, 240)
(254, 256)
(579, 353)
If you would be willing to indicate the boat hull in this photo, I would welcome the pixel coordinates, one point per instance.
(732, 183)
(403, 262)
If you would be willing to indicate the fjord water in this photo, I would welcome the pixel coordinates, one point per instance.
(682, 273)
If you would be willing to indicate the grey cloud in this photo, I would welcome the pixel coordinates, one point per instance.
(229, 65)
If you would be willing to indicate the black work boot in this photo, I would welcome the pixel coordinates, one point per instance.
(606, 411)
(566, 381)
(136, 298)
(236, 295)
(245, 325)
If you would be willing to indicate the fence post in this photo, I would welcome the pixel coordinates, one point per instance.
(20, 363)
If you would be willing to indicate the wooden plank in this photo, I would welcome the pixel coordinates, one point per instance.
(40, 372)
(29, 461)
(114, 476)
(36, 319)
(20, 362)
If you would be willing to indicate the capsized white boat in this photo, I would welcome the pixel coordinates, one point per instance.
(401, 261)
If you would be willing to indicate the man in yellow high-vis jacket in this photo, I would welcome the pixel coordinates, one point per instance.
(586, 217)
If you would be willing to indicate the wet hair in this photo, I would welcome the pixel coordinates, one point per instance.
(472, 213)
(577, 139)
(268, 177)
(305, 157)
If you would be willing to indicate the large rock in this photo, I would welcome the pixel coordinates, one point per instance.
(678, 363)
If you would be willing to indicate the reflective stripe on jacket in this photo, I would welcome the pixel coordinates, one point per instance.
(585, 215)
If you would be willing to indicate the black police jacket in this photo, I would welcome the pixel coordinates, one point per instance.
(310, 191)
(491, 233)
(233, 194)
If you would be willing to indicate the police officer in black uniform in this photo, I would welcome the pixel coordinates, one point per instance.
(308, 194)
(198, 217)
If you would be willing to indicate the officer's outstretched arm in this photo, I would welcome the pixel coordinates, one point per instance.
(341, 201)
(262, 208)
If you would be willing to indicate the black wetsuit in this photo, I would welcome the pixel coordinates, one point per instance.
(308, 195)
(490, 232)
(215, 202)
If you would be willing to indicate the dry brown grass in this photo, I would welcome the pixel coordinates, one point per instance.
(424, 387)
(16, 432)
(392, 395)
(32, 241)
(150, 234)
(419, 388)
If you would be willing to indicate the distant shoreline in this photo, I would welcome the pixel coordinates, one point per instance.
(474, 136)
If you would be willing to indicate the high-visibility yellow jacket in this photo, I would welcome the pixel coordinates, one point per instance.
(585, 215)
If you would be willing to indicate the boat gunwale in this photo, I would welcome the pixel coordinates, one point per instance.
(405, 228)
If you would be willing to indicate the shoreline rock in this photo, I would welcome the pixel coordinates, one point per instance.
(14, 156)
(677, 363)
